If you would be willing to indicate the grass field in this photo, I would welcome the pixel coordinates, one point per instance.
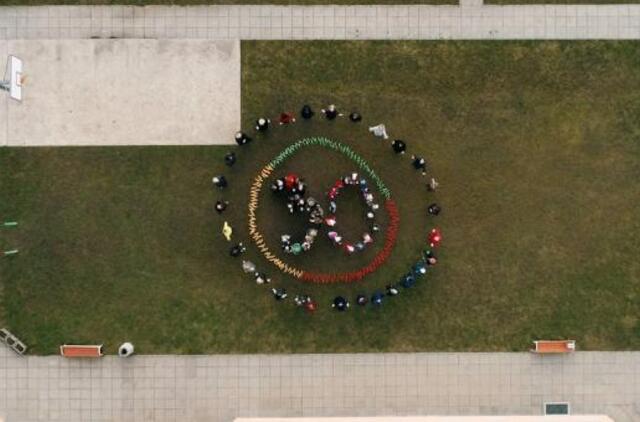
(536, 147)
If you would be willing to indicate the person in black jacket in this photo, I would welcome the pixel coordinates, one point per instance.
(221, 206)
(279, 294)
(220, 181)
(230, 158)
(306, 112)
(242, 138)
(399, 147)
(331, 112)
(340, 303)
(262, 124)
(355, 117)
(237, 250)
(419, 163)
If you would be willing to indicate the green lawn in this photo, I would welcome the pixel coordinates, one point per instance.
(536, 147)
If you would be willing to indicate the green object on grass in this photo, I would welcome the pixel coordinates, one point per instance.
(10, 223)
(338, 147)
(11, 252)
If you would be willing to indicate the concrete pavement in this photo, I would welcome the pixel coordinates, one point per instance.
(123, 92)
(469, 20)
(221, 387)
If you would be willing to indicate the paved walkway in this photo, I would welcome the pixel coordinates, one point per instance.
(468, 21)
(219, 388)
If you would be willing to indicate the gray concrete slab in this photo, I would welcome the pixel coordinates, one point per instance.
(508, 418)
(124, 92)
(470, 20)
(221, 387)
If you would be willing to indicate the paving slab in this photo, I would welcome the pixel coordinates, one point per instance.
(219, 388)
(124, 92)
(469, 20)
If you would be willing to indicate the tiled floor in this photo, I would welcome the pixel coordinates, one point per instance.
(219, 388)
(471, 20)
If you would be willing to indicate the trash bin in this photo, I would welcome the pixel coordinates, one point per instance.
(125, 350)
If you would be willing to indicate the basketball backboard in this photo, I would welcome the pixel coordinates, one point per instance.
(13, 78)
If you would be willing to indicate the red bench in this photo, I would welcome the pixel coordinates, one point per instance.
(75, 351)
(554, 346)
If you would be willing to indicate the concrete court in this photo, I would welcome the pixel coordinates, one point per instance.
(123, 92)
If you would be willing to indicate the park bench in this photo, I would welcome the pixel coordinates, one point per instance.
(12, 341)
(554, 346)
(76, 351)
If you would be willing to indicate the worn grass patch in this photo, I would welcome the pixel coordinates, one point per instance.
(536, 146)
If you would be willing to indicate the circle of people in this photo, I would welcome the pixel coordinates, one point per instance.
(295, 189)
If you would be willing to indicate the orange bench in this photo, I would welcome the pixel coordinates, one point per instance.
(75, 351)
(554, 346)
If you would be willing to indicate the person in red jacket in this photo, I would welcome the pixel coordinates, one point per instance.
(286, 117)
(434, 237)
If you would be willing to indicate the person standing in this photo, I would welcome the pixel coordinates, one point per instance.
(432, 185)
(301, 300)
(237, 250)
(408, 281)
(379, 131)
(355, 117)
(340, 304)
(242, 138)
(227, 231)
(429, 257)
(434, 238)
(221, 206)
(311, 306)
(434, 209)
(286, 117)
(279, 294)
(262, 124)
(376, 299)
(399, 147)
(230, 158)
(392, 290)
(261, 278)
(331, 112)
(419, 163)
(306, 112)
(220, 181)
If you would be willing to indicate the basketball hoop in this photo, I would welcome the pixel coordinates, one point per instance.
(12, 82)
